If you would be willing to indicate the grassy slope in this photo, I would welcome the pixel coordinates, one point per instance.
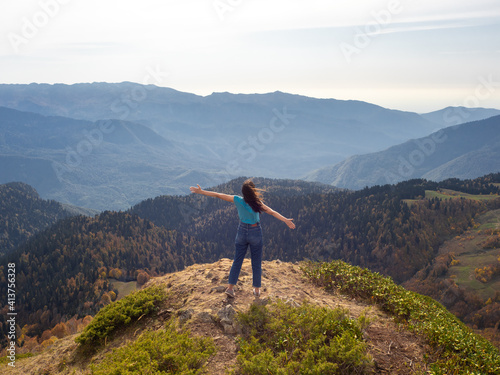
(467, 248)
(447, 194)
(458, 349)
(469, 255)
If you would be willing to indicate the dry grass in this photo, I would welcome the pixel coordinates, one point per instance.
(199, 288)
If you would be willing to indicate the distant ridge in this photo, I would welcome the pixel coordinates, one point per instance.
(107, 164)
(450, 116)
(462, 151)
(110, 145)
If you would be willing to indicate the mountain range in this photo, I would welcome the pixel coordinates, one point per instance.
(101, 165)
(462, 151)
(112, 145)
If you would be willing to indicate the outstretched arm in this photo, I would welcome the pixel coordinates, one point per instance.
(224, 197)
(277, 215)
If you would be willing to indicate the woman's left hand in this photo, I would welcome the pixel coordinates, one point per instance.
(290, 223)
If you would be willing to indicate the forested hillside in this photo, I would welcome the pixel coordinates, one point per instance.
(64, 270)
(390, 229)
(178, 212)
(374, 227)
(23, 213)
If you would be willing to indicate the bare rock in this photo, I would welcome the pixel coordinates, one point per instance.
(226, 316)
(205, 317)
(185, 315)
(218, 289)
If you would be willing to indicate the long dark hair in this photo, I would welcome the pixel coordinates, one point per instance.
(252, 195)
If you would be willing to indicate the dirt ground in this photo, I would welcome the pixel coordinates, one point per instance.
(197, 294)
(394, 350)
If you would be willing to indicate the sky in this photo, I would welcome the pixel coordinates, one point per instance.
(413, 55)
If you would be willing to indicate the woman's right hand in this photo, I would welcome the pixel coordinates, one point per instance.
(196, 190)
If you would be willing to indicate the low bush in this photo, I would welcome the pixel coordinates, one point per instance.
(166, 351)
(459, 349)
(120, 314)
(285, 339)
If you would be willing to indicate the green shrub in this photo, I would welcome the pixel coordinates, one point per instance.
(283, 339)
(119, 314)
(159, 352)
(459, 349)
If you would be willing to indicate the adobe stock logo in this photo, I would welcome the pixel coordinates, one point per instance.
(407, 166)
(221, 7)
(93, 138)
(31, 26)
(426, 147)
(379, 20)
(250, 148)
(483, 91)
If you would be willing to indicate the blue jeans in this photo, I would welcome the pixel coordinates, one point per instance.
(247, 236)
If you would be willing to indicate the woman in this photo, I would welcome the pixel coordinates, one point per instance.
(249, 231)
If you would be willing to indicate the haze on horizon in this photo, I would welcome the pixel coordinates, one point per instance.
(403, 54)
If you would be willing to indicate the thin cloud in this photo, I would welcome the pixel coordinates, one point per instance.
(260, 46)
(419, 26)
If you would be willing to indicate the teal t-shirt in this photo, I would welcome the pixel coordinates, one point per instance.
(245, 212)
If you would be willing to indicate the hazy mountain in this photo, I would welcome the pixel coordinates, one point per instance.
(450, 116)
(102, 165)
(463, 151)
(160, 140)
(274, 135)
